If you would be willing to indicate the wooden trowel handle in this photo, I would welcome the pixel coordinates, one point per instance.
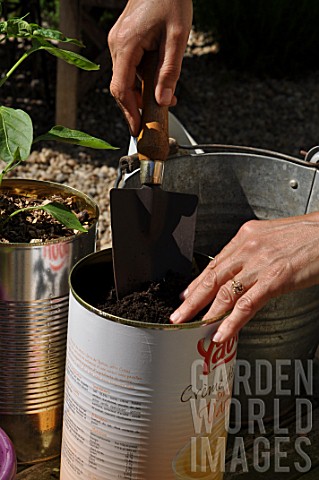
(152, 143)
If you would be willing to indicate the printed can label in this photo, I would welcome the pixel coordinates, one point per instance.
(144, 403)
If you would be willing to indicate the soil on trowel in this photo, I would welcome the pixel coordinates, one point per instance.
(154, 303)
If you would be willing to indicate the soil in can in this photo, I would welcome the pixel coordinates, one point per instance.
(153, 303)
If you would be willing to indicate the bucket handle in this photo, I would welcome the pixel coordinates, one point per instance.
(130, 163)
(211, 147)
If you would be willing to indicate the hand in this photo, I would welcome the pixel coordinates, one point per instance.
(268, 258)
(143, 26)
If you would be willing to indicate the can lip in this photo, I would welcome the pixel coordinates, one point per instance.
(137, 323)
(8, 464)
(95, 256)
(149, 325)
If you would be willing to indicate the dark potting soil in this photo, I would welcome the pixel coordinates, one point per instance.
(35, 225)
(154, 303)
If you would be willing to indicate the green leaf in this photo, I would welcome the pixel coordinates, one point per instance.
(16, 134)
(17, 27)
(66, 135)
(50, 34)
(3, 27)
(72, 58)
(61, 213)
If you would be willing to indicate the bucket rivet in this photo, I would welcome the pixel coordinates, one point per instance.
(294, 184)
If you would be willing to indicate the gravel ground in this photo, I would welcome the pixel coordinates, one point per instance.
(215, 103)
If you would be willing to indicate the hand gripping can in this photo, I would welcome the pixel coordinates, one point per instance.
(142, 401)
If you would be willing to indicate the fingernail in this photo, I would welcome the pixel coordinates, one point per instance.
(175, 317)
(166, 96)
(217, 338)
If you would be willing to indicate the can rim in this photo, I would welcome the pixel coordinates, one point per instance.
(130, 322)
(155, 326)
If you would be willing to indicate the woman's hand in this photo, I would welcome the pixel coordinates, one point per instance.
(147, 25)
(266, 258)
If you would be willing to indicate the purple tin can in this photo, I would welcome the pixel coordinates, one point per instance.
(8, 461)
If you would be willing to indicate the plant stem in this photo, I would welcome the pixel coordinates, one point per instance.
(15, 66)
(10, 166)
(25, 209)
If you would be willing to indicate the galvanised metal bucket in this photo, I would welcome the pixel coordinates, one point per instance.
(34, 296)
(234, 185)
(142, 400)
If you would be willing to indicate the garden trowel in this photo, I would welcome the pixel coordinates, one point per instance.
(153, 230)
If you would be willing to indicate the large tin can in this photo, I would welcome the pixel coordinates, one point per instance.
(142, 401)
(34, 296)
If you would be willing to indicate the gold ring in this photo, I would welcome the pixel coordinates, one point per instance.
(237, 287)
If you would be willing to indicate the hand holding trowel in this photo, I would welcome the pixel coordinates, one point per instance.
(152, 230)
